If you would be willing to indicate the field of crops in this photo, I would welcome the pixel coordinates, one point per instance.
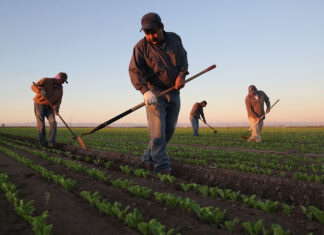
(220, 184)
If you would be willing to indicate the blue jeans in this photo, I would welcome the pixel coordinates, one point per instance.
(162, 119)
(42, 111)
(195, 125)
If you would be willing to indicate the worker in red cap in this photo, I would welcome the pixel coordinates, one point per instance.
(159, 62)
(254, 103)
(48, 91)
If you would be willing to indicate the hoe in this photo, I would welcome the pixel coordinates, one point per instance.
(142, 104)
(214, 131)
(245, 137)
(74, 136)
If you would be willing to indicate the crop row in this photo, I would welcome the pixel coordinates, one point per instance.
(306, 140)
(142, 192)
(267, 164)
(25, 209)
(112, 209)
(266, 206)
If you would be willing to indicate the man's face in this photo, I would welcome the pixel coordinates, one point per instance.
(154, 35)
(59, 81)
(252, 91)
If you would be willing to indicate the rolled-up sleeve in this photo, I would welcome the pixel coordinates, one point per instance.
(136, 70)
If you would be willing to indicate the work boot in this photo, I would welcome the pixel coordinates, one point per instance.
(51, 145)
(164, 172)
(149, 166)
(146, 165)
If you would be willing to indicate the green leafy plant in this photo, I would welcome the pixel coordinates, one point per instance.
(230, 224)
(108, 164)
(248, 201)
(185, 187)
(134, 218)
(287, 209)
(141, 173)
(126, 169)
(124, 184)
(277, 230)
(140, 191)
(314, 212)
(97, 161)
(267, 206)
(166, 178)
(255, 229)
(210, 214)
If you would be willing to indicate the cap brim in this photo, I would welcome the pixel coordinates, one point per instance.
(148, 26)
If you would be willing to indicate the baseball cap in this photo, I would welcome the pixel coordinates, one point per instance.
(62, 76)
(150, 20)
(252, 88)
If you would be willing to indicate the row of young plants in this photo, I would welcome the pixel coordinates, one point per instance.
(208, 214)
(227, 139)
(240, 161)
(112, 209)
(248, 162)
(267, 206)
(25, 209)
(280, 139)
(243, 161)
(136, 190)
(132, 219)
(68, 184)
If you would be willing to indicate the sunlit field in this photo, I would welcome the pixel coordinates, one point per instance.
(219, 183)
(300, 139)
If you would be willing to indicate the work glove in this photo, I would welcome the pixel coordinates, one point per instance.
(56, 109)
(150, 98)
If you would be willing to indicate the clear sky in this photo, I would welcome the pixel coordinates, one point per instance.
(277, 45)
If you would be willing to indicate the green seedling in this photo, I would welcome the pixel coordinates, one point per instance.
(141, 173)
(134, 218)
(187, 204)
(255, 229)
(97, 161)
(277, 230)
(248, 201)
(287, 209)
(140, 191)
(230, 224)
(268, 206)
(108, 164)
(126, 169)
(185, 187)
(166, 178)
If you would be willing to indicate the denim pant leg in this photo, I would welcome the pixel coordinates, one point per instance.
(172, 113)
(195, 125)
(53, 125)
(40, 112)
(162, 119)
